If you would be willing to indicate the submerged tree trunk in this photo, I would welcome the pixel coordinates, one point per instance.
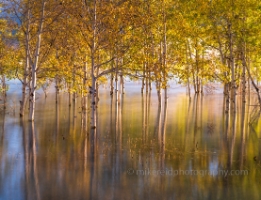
(116, 82)
(189, 90)
(243, 134)
(244, 85)
(150, 82)
(97, 93)
(122, 84)
(165, 110)
(158, 85)
(227, 96)
(197, 81)
(158, 124)
(252, 80)
(70, 96)
(232, 68)
(26, 67)
(143, 113)
(196, 123)
(57, 89)
(4, 90)
(85, 95)
(111, 84)
(147, 80)
(143, 79)
(34, 66)
(93, 78)
(32, 95)
(93, 100)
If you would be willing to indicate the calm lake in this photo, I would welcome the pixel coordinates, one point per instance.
(188, 150)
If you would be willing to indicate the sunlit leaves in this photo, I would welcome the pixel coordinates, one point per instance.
(133, 35)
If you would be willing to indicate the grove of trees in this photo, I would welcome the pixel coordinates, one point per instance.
(79, 44)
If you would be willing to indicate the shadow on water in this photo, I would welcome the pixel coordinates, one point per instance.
(139, 150)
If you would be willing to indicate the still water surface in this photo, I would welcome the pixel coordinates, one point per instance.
(191, 150)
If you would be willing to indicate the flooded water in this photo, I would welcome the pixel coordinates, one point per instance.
(187, 150)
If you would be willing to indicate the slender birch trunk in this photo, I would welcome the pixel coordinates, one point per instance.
(122, 84)
(74, 84)
(70, 96)
(143, 116)
(197, 84)
(116, 81)
(111, 85)
(165, 110)
(27, 63)
(143, 79)
(232, 68)
(244, 84)
(85, 97)
(4, 89)
(93, 87)
(93, 98)
(57, 90)
(35, 64)
(252, 81)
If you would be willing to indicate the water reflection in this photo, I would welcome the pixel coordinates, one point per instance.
(60, 156)
(30, 156)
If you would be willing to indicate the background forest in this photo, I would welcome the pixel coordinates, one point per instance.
(80, 44)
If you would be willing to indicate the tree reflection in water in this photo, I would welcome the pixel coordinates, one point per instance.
(65, 158)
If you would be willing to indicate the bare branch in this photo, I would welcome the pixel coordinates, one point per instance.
(104, 63)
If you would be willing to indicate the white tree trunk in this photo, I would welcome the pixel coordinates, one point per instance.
(27, 63)
(34, 66)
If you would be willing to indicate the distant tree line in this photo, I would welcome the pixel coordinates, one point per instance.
(82, 43)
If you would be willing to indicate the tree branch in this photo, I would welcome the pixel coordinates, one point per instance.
(105, 72)
(104, 63)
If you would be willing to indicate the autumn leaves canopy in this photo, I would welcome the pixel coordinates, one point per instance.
(82, 43)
